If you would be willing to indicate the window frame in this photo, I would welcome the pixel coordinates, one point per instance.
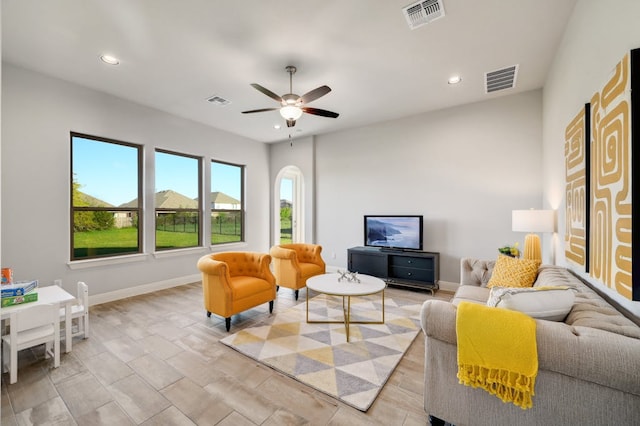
(73, 209)
(242, 212)
(197, 210)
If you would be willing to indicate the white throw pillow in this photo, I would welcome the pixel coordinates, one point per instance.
(548, 303)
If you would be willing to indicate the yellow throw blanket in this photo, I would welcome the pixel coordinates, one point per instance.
(497, 352)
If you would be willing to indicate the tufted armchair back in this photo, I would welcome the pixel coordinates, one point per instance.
(246, 263)
(306, 253)
(475, 272)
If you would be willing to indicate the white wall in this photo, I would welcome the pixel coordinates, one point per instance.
(1, 262)
(465, 169)
(598, 35)
(38, 112)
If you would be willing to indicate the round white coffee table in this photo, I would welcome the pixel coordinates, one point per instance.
(328, 284)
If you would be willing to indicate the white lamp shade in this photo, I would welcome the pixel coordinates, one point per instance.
(290, 112)
(533, 220)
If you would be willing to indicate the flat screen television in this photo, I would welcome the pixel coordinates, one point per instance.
(393, 232)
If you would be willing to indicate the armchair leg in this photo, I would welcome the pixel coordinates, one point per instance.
(271, 307)
(227, 323)
(208, 314)
(277, 287)
(296, 294)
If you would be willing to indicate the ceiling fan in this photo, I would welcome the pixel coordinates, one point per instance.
(293, 105)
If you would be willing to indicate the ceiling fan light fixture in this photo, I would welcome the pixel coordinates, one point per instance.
(290, 112)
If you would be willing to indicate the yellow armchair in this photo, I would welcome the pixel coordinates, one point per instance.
(294, 263)
(233, 282)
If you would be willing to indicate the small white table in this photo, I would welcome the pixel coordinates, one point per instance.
(49, 294)
(329, 284)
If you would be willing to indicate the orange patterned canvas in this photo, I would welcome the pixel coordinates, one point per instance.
(576, 154)
(611, 218)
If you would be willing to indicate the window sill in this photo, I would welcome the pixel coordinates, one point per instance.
(141, 257)
(90, 263)
(228, 246)
(178, 252)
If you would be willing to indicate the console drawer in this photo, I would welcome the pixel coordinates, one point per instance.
(413, 274)
(411, 262)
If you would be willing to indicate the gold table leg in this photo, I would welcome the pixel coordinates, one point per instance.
(346, 311)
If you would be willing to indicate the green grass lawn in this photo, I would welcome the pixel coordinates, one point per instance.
(285, 231)
(100, 243)
(169, 240)
(125, 240)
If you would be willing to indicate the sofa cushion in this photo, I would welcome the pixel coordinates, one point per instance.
(548, 303)
(512, 272)
(589, 309)
(471, 293)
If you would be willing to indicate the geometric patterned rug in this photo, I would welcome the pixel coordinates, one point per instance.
(318, 354)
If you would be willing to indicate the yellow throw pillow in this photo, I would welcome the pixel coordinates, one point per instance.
(512, 272)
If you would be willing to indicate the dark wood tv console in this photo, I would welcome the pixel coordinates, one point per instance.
(415, 269)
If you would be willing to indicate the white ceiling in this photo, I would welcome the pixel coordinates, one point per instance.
(176, 54)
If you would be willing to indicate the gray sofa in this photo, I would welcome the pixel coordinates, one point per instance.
(588, 365)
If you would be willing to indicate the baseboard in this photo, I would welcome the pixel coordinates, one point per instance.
(98, 299)
(448, 286)
(142, 289)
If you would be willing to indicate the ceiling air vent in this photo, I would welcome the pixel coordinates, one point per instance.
(504, 78)
(422, 12)
(218, 100)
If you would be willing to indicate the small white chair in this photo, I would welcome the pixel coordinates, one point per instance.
(29, 327)
(79, 312)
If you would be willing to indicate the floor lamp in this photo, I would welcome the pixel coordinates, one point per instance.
(532, 221)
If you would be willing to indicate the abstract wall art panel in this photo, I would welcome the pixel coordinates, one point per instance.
(611, 218)
(576, 153)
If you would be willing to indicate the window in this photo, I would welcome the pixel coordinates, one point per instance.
(105, 189)
(227, 206)
(177, 200)
(286, 205)
(289, 224)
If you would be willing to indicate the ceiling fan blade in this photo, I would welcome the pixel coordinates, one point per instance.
(267, 92)
(315, 94)
(321, 112)
(260, 110)
(291, 123)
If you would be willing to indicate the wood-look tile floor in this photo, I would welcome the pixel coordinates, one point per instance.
(155, 359)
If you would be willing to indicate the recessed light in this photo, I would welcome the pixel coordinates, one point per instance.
(455, 79)
(108, 59)
(276, 126)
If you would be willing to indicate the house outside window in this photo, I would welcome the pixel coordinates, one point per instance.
(227, 208)
(105, 175)
(177, 205)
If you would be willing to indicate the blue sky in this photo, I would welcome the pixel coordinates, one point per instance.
(109, 171)
(286, 189)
